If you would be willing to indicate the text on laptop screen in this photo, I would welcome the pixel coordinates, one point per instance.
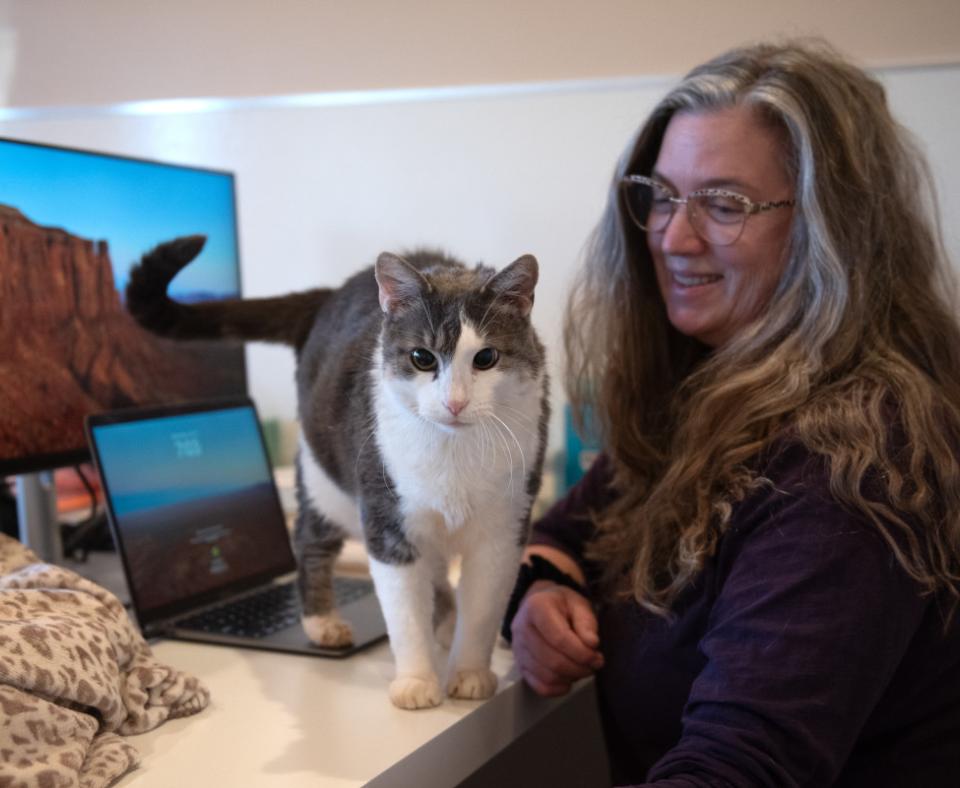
(192, 500)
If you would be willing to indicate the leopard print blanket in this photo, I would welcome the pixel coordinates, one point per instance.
(75, 677)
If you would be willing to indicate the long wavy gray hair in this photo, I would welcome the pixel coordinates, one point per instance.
(858, 334)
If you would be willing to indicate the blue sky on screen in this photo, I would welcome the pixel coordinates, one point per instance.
(132, 205)
(176, 459)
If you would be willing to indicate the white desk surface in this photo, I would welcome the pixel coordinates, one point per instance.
(286, 720)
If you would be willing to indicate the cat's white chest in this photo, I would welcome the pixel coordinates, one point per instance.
(430, 472)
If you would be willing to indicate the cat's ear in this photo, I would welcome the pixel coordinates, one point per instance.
(399, 282)
(513, 286)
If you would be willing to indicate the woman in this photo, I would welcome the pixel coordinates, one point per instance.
(763, 566)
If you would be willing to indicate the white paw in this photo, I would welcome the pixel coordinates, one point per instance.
(329, 630)
(413, 692)
(472, 684)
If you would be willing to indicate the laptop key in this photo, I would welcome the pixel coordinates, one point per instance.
(272, 609)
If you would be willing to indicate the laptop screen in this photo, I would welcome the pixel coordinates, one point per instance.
(193, 502)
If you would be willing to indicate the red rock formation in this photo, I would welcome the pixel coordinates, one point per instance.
(68, 347)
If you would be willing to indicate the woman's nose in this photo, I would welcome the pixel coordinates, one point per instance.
(679, 236)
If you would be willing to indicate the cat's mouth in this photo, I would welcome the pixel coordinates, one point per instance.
(454, 423)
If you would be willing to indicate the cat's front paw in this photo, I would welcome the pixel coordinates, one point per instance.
(413, 692)
(330, 630)
(472, 684)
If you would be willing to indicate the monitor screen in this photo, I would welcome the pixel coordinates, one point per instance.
(73, 223)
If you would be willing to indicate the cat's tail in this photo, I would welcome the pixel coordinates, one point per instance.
(284, 319)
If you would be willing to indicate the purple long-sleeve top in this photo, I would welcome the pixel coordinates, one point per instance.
(803, 655)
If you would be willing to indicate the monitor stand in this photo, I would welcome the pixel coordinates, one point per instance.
(37, 515)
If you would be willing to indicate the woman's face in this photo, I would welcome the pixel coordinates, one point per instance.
(711, 292)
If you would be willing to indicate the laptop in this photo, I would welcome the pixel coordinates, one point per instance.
(203, 540)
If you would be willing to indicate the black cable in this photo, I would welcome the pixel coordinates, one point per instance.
(90, 491)
(75, 537)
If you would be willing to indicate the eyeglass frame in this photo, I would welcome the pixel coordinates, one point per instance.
(750, 206)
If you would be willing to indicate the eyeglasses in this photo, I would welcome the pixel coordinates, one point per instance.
(718, 216)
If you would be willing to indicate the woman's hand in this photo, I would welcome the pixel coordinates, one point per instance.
(555, 639)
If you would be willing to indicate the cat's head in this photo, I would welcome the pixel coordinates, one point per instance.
(458, 346)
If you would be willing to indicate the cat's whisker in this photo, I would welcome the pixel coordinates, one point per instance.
(526, 416)
(481, 444)
(483, 320)
(501, 426)
(493, 406)
(495, 440)
(521, 428)
(523, 459)
(509, 334)
(494, 444)
(371, 431)
(516, 420)
(526, 424)
(485, 438)
(496, 424)
(386, 484)
(426, 313)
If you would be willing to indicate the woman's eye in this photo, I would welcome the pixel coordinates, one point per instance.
(423, 359)
(485, 358)
(724, 209)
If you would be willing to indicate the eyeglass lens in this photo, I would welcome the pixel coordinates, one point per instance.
(716, 219)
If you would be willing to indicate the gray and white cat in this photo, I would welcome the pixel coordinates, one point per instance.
(422, 398)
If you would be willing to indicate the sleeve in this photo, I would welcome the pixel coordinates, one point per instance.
(806, 631)
(568, 524)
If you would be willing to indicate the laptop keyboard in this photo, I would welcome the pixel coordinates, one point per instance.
(270, 610)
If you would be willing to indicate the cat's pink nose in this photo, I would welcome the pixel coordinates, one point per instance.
(455, 406)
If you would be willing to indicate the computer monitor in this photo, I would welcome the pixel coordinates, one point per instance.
(72, 223)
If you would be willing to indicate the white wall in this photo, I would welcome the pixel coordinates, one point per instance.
(487, 175)
(94, 52)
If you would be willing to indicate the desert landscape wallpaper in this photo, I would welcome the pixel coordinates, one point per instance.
(69, 348)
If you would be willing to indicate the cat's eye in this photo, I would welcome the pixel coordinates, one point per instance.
(486, 358)
(423, 359)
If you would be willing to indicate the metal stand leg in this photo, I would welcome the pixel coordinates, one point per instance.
(37, 515)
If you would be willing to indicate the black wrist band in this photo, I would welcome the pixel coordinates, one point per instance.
(539, 568)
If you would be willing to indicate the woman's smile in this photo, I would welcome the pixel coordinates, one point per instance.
(687, 281)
